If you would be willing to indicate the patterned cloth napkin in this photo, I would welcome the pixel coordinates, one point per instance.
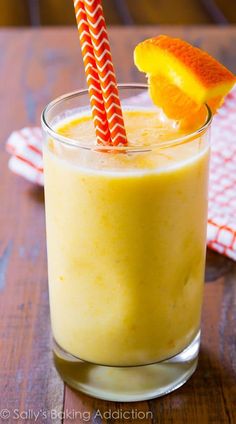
(25, 147)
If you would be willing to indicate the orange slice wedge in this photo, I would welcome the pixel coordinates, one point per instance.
(182, 77)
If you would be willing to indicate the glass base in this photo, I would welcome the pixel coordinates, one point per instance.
(128, 384)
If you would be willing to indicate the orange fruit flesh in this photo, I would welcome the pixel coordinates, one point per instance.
(177, 105)
(182, 77)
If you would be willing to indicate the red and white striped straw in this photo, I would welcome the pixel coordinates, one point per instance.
(100, 72)
(95, 92)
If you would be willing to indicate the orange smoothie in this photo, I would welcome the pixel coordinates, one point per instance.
(126, 241)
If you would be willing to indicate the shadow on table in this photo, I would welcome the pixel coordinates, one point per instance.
(36, 193)
(216, 266)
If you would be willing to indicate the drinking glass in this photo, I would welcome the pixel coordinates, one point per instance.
(126, 242)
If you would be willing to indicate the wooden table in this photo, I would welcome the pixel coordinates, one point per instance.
(35, 67)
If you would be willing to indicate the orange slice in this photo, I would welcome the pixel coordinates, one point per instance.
(182, 77)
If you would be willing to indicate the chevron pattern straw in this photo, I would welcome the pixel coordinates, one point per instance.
(95, 92)
(103, 91)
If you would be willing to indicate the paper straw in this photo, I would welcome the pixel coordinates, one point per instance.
(98, 63)
(95, 92)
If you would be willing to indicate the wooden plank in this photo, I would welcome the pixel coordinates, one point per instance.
(34, 68)
(151, 12)
(165, 12)
(53, 12)
(14, 13)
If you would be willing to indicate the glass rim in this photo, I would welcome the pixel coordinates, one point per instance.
(141, 148)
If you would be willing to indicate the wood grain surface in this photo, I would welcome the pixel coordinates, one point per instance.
(35, 67)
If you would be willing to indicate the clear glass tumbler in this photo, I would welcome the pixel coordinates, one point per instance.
(126, 241)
